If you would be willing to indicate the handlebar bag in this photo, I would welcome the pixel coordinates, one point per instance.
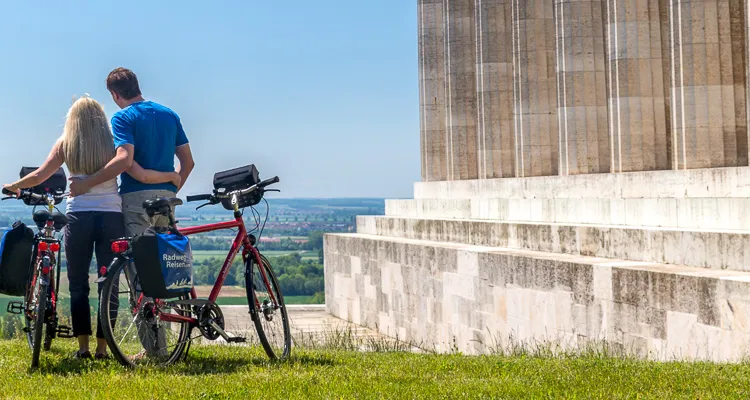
(164, 263)
(238, 179)
(16, 251)
(56, 184)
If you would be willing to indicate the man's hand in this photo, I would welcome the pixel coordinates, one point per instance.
(12, 188)
(78, 186)
(175, 179)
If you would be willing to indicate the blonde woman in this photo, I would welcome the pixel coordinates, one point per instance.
(95, 218)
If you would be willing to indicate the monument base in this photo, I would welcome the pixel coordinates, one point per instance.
(669, 289)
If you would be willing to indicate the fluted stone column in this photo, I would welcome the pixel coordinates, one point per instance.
(707, 55)
(433, 100)
(495, 88)
(582, 91)
(637, 106)
(461, 49)
(535, 91)
(747, 66)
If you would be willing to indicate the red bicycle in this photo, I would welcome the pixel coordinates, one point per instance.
(142, 330)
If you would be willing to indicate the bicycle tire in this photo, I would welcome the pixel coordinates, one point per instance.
(29, 322)
(259, 316)
(115, 269)
(47, 339)
(41, 311)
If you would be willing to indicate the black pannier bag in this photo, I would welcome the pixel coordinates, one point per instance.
(238, 179)
(16, 251)
(164, 263)
(56, 184)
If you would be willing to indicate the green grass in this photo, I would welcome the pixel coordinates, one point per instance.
(223, 372)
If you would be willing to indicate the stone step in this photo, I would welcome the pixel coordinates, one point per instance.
(711, 182)
(440, 295)
(695, 248)
(688, 213)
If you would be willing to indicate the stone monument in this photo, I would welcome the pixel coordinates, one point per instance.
(584, 178)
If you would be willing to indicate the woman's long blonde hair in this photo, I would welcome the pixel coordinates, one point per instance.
(86, 144)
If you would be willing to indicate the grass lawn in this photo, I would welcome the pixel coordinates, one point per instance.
(224, 372)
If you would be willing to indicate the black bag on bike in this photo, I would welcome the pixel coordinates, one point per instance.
(164, 263)
(56, 184)
(238, 179)
(16, 251)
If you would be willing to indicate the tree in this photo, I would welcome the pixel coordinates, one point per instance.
(314, 240)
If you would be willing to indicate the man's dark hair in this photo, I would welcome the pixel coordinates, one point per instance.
(123, 82)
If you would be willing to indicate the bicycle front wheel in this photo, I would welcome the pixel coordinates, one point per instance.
(131, 324)
(267, 309)
(37, 330)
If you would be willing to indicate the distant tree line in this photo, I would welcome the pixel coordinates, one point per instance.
(297, 277)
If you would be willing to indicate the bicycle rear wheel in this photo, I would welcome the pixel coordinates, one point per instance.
(134, 332)
(269, 312)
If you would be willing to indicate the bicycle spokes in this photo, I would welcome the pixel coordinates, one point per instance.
(271, 320)
(136, 327)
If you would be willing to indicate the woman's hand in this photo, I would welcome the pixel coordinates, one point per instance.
(175, 179)
(12, 188)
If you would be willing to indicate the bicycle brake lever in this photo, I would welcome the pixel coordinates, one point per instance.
(202, 205)
(272, 190)
(8, 198)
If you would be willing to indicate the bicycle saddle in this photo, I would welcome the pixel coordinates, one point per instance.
(42, 216)
(162, 205)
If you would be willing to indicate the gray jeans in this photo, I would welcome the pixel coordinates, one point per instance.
(137, 221)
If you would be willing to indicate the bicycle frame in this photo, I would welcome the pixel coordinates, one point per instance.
(248, 250)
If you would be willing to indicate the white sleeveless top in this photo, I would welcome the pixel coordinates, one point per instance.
(102, 198)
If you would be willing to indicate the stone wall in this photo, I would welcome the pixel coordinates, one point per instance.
(476, 298)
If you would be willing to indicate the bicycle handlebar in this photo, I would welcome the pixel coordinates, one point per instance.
(269, 181)
(27, 194)
(214, 198)
(200, 197)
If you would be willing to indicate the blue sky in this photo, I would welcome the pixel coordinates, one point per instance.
(322, 93)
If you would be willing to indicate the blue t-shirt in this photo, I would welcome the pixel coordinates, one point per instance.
(155, 132)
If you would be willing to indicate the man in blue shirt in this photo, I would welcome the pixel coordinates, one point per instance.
(147, 136)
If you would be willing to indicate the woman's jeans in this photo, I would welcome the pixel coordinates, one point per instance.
(88, 232)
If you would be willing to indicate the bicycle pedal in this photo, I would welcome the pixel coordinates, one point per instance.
(15, 307)
(64, 332)
(237, 339)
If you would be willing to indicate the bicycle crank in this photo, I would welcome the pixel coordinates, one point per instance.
(211, 321)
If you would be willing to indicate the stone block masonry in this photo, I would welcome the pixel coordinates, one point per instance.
(584, 178)
(438, 295)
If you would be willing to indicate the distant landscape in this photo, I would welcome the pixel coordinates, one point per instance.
(292, 239)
